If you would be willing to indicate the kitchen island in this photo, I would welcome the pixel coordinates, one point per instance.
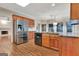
(65, 45)
(69, 46)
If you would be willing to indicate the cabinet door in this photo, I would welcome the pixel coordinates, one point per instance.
(54, 42)
(31, 35)
(75, 45)
(45, 40)
(51, 43)
(67, 47)
(74, 11)
(64, 46)
(70, 46)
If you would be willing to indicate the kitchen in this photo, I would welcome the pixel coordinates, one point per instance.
(55, 26)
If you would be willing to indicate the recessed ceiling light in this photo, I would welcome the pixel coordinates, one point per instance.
(53, 4)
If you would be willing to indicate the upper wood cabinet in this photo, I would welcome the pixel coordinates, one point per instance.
(29, 21)
(74, 11)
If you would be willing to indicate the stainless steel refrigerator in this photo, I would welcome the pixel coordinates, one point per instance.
(20, 31)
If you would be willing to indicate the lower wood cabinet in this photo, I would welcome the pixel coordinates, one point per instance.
(45, 40)
(50, 41)
(63, 50)
(69, 46)
(54, 42)
(66, 46)
(75, 48)
(31, 35)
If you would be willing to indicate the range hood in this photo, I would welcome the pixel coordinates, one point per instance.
(73, 22)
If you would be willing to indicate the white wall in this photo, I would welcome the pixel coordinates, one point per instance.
(9, 26)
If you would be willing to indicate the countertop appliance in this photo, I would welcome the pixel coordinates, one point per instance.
(20, 31)
(38, 39)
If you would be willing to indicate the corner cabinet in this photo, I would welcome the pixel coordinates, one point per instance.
(74, 11)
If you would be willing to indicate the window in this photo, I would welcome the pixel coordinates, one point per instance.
(43, 27)
(38, 28)
(50, 29)
(69, 27)
(60, 27)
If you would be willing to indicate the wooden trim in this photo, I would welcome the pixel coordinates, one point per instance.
(22, 17)
(31, 22)
(70, 11)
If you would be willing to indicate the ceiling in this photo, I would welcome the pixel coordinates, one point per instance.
(40, 10)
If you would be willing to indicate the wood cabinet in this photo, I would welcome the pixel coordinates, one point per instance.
(50, 41)
(69, 46)
(75, 46)
(31, 23)
(66, 45)
(74, 11)
(45, 40)
(31, 35)
(28, 20)
(63, 50)
(54, 42)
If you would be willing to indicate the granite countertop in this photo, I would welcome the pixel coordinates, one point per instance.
(69, 36)
(62, 35)
(52, 33)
